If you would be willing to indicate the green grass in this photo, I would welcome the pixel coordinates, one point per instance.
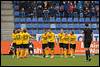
(7, 60)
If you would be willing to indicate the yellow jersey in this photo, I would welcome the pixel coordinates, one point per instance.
(60, 35)
(66, 39)
(44, 38)
(50, 36)
(18, 38)
(72, 39)
(13, 37)
(25, 38)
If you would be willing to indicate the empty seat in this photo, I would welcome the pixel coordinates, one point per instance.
(17, 26)
(34, 19)
(93, 19)
(64, 20)
(40, 19)
(17, 19)
(58, 19)
(52, 19)
(16, 13)
(81, 19)
(87, 19)
(70, 20)
(75, 20)
(22, 19)
(28, 20)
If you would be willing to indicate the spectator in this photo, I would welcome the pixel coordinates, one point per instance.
(93, 13)
(61, 10)
(39, 11)
(71, 9)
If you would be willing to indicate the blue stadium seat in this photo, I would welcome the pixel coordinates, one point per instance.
(87, 20)
(58, 19)
(47, 26)
(30, 31)
(17, 19)
(17, 26)
(35, 32)
(40, 31)
(93, 19)
(40, 19)
(35, 25)
(81, 19)
(63, 25)
(75, 20)
(64, 20)
(28, 20)
(16, 13)
(94, 26)
(22, 19)
(29, 26)
(52, 19)
(58, 26)
(34, 19)
(70, 20)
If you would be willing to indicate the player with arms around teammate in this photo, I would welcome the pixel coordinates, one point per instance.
(13, 46)
(66, 41)
(60, 41)
(25, 40)
(51, 40)
(18, 43)
(87, 41)
(72, 44)
(44, 43)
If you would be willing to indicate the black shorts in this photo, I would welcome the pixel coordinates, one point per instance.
(61, 45)
(14, 46)
(44, 46)
(73, 46)
(87, 43)
(51, 45)
(25, 45)
(65, 46)
(18, 46)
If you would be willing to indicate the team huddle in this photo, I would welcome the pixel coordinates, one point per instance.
(64, 39)
(21, 39)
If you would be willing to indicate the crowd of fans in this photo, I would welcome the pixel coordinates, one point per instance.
(58, 8)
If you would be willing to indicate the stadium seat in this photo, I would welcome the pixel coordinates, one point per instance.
(22, 19)
(63, 25)
(34, 19)
(64, 20)
(75, 20)
(35, 25)
(40, 31)
(58, 19)
(58, 26)
(16, 13)
(52, 26)
(17, 19)
(30, 31)
(17, 26)
(40, 19)
(81, 19)
(52, 19)
(29, 25)
(35, 32)
(87, 20)
(70, 20)
(28, 20)
(93, 19)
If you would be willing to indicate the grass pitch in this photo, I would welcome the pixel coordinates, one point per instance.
(38, 60)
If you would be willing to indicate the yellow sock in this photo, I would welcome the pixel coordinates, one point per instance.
(46, 52)
(21, 53)
(65, 53)
(17, 53)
